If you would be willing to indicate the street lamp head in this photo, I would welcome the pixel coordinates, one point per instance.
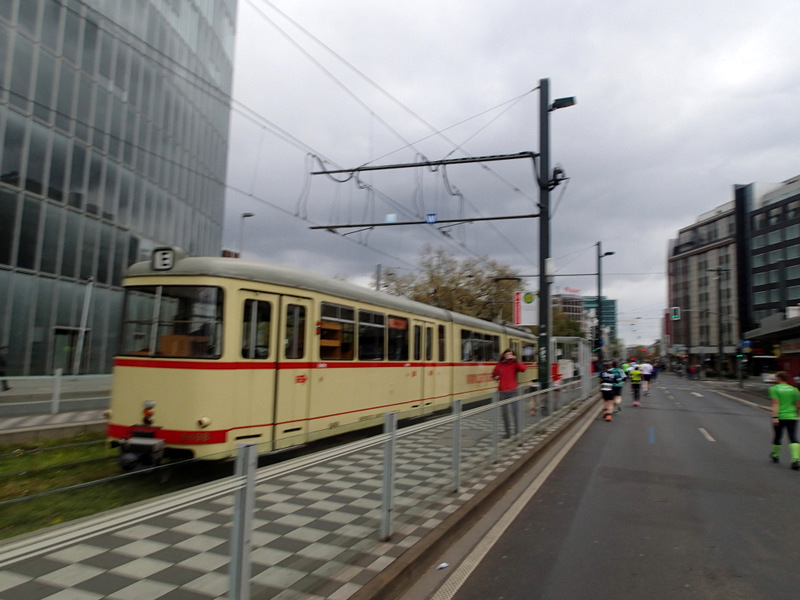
(607, 254)
(562, 103)
(245, 215)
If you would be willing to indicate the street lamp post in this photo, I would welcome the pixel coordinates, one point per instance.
(600, 256)
(544, 181)
(241, 231)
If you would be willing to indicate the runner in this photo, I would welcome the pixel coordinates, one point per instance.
(785, 402)
(609, 377)
(621, 377)
(636, 384)
(647, 376)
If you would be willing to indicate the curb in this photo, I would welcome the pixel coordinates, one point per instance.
(49, 432)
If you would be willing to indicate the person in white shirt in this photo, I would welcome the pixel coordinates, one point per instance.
(647, 372)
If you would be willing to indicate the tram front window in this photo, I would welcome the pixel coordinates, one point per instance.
(172, 321)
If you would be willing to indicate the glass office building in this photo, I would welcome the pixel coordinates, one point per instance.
(114, 129)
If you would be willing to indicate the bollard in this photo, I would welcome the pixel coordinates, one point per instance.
(457, 445)
(55, 401)
(387, 504)
(495, 425)
(241, 531)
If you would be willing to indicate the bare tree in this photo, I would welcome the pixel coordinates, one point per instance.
(478, 287)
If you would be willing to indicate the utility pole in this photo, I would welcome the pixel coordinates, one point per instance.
(600, 256)
(544, 233)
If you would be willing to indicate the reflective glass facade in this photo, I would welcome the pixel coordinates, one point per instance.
(114, 131)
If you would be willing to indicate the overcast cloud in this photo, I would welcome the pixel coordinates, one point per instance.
(676, 102)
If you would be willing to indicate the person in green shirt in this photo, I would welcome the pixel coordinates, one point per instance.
(636, 384)
(785, 400)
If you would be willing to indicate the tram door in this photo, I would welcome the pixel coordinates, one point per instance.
(253, 403)
(293, 384)
(423, 355)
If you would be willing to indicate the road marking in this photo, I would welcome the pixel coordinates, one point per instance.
(698, 394)
(460, 575)
(706, 435)
(753, 404)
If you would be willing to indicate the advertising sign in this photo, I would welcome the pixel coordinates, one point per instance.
(526, 308)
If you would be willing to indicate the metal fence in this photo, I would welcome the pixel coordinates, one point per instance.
(328, 521)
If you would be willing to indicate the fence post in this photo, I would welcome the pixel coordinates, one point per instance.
(457, 445)
(495, 425)
(55, 400)
(241, 532)
(518, 416)
(387, 505)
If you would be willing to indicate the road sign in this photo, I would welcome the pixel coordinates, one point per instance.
(431, 218)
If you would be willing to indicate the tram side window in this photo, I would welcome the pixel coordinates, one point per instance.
(429, 344)
(371, 335)
(417, 342)
(442, 344)
(483, 351)
(466, 346)
(178, 321)
(295, 344)
(256, 324)
(528, 352)
(479, 347)
(493, 348)
(137, 324)
(398, 338)
(336, 332)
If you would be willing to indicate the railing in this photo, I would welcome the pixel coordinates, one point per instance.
(395, 486)
(55, 394)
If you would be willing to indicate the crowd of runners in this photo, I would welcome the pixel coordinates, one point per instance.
(612, 382)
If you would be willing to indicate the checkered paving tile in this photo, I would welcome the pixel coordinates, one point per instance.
(315, 533)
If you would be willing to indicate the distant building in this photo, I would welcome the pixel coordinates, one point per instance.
(570, 305)
(739, 263)
(773, 324)
(703, 278)
(114, 131)
(609, 315)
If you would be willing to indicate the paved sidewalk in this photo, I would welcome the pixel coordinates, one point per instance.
(314, 532)
(28, 411)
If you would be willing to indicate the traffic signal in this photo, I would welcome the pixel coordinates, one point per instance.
(676, 313)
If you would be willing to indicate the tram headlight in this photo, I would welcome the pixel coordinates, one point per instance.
(148, 412)
(107, 414)
(203, 422)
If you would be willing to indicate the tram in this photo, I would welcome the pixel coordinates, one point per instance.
(219, 351)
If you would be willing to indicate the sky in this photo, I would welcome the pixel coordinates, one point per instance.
(676, 102)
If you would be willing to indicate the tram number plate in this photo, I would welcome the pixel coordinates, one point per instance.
(195, 437)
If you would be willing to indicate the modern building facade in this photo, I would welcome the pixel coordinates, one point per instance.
(773, 318)
(703, 284)
(609, 313)
(775, 251)
(114, 130)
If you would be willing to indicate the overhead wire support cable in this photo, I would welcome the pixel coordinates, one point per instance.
(456, 221)
(432, 163)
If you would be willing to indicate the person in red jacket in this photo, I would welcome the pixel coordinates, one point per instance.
(505, 373)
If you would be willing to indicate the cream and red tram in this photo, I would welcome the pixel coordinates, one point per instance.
(217, 351)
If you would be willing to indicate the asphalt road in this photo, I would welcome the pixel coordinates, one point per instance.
(676, 499)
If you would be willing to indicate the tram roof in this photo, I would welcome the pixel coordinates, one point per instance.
(262, 272)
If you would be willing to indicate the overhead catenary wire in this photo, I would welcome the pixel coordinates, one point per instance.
(183, 73)
(383, 91)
